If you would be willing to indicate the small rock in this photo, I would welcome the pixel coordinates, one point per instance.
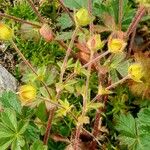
(7, 81)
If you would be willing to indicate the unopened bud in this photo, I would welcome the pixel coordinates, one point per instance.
(82, 17)
(95, 43)
(46, 33)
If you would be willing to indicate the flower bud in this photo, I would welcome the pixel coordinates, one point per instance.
(27, 93)
(82, 17)
(46, 33)
(135, 72)
(95, 43)
(103, 91)
(116, 45)
(6, 33)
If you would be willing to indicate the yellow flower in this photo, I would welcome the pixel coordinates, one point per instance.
(6, 33)
(27, 93)
(82, 17)
(116, 45)
(95, 43)
(146, 3)
(135, 72)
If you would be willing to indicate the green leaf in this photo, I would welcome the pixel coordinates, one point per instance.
(75, 4)
(64, 21)
(11, 130)
(4, 143)
(118, 65)
(5, 131)
(69, 86)
(114, 75)
(126, 125)
(17, 143)
(10, 100)
(111, 8)
(116, 59)
(38, 145)
(8, 118)
(64, 36)
(41, 112)
(22, 126)
(32, 133)
(122, 68)
(144, 116)
(134, 133)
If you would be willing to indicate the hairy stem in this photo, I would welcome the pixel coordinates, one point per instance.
(19, 20)
(139, 14)
(85, 97)
(117, 83)
(96, 59)
(28, 64)
(77, 135)
(49, 124)
(111, 86)
(120, 14)
(64, 65)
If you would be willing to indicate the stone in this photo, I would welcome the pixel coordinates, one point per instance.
(7, 81)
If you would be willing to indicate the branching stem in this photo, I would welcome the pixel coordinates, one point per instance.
(19, 20)
(64, 65)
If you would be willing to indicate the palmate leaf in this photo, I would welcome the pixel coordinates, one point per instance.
(134, 132)
(11, 133)
(38, 145)
(41, 112)
(111, 7)
(126, 125)
(75, 4)
(8, 118)
(64, 21)
(144, 116)
(64, 36)
(32, 133)
(9, 99)
(117, 66)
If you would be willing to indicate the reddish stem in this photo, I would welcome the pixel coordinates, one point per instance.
(120, 13)
(140, 13)
(49, 124)
(77, 136)
(19, 20)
